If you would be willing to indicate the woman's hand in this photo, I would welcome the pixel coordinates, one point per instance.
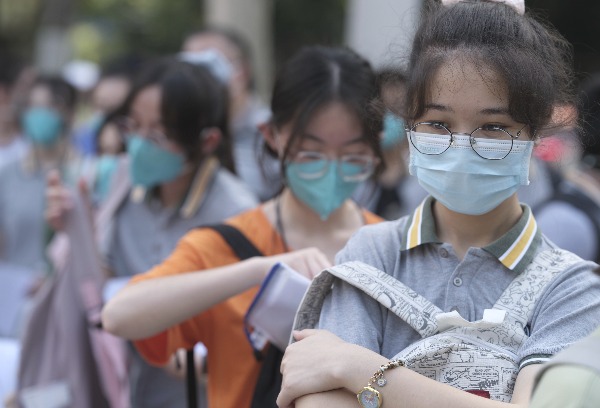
(60, 200)
(315, 363)
(308, 262)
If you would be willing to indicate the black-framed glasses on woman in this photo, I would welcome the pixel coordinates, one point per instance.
(129, 127)
(491, 142)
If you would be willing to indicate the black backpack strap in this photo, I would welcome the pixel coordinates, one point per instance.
(244, 249)
(191, 385)
(269, 379)
(238, 242)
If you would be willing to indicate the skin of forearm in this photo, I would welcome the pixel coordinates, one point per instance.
(332, 399)
(409, 389)
(148, 307)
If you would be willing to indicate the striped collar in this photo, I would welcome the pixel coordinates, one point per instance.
(515, 249)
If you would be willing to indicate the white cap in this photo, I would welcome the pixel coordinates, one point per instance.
(213, 60)
(83, 75)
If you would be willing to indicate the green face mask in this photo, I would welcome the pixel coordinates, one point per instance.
(43, 126)
(151, 165)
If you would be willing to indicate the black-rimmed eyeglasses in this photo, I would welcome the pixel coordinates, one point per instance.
(489, 142)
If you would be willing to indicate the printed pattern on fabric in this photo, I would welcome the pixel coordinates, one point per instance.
(387, 290)
(479, 357)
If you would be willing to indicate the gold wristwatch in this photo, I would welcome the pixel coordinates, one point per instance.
(369, 397)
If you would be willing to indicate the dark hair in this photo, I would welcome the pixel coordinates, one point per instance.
(316, 76)
(63, 94)
(192, 100)
(393, 76)
(531, 57)
(234, 38)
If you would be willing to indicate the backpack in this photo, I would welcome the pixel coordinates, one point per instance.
(478, 357)
(269, 379)
(581, 191)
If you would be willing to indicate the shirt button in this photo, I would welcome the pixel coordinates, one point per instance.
(444, 253)
(457, 281)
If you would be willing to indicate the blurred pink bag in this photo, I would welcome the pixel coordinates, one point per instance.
(67, 360)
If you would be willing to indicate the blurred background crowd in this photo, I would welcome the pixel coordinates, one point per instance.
(67, 68)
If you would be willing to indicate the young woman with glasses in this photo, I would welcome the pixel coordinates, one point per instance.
(325, 128)
(474, 297)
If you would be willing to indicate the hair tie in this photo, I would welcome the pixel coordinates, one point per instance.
(518, 5)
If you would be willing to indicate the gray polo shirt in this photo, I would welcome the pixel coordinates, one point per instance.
(409, 250)
(145, 232)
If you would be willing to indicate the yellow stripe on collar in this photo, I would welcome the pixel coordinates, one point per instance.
(517, 250)
(199, 186)
(414, 231)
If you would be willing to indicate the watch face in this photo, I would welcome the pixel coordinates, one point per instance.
(369, 398)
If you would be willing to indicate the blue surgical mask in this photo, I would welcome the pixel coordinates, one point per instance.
(393, 130)
(105, 169)
(151, 165)
(467, 183)
(324, 194)
(43, 126)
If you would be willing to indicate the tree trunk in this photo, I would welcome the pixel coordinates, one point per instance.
(253, 19)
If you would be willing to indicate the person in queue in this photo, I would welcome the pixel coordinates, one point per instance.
(325, 130)
(178, 175)
(484, 78)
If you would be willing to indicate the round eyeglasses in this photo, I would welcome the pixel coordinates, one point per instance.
(350, 167)
(490, 142)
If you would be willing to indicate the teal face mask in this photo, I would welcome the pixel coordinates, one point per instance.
(43, 126)
(151, 165)
(393, 130)
(326, 193)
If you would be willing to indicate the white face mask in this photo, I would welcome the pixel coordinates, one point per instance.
(467, 183)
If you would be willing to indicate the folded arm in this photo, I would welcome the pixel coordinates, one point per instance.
(322, 370)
